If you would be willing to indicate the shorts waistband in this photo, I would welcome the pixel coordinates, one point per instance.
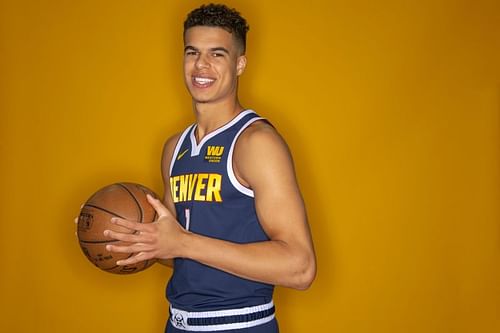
(222, 319)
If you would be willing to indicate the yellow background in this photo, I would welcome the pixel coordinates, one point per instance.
(391, 109)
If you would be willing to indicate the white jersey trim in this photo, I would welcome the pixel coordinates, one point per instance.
(232, 177)
(197, 147)
(178, 147)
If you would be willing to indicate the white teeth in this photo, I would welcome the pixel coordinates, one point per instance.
(202, 80)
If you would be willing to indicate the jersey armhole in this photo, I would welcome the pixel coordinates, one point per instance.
(230, 171)
(178, 147)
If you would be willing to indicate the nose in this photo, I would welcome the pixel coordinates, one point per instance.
(202, 62)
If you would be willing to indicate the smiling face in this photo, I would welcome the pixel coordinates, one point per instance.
(212, 64)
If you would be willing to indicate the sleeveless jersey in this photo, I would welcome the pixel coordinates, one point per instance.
(210, 201)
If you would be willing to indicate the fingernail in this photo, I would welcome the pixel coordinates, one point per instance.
(106, 232)
(108, 247)
(119, 262)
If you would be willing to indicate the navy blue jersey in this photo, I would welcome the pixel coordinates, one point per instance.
(210, 201)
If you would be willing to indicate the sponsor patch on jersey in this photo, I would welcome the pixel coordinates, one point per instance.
(214, 154)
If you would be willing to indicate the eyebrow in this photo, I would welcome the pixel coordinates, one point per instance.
(213, 49)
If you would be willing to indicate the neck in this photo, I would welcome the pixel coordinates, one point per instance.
(210, 116)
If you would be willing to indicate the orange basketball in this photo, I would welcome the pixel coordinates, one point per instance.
(125, 200)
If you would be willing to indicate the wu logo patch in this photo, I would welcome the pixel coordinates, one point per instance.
(214, 154)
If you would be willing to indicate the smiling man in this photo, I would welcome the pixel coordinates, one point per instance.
(232, 219)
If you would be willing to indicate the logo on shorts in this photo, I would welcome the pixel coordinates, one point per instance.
(179, 320)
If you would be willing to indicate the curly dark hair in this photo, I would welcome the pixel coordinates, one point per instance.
(217, 15)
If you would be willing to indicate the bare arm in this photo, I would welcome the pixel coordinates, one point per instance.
(168, 151)
(261, 161)
(166, 158)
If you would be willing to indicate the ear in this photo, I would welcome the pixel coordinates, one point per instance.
(241, 64)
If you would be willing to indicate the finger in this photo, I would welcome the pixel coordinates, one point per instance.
(141, 256)
(158, 206)
(133, 226)
(131, 238)
(133, 248)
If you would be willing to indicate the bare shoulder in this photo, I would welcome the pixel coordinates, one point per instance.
(166, 158)
(260, 136)
(172, 141)
(261, 153)
(168, 151)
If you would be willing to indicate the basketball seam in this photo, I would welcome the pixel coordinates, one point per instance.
(141, 220)
(104, 210)
(135, 199)
(116, 266)
(99, 241)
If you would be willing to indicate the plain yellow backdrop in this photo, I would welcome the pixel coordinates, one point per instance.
(391, 110)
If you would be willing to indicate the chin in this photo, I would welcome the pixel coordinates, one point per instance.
(200, 100)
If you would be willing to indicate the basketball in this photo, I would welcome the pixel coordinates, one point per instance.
(124, 200)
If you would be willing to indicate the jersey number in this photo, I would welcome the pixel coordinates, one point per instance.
(187, 214)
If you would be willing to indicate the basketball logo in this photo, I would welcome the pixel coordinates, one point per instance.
(85, 221)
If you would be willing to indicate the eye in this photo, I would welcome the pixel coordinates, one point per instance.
(191, 53)
(217, 55)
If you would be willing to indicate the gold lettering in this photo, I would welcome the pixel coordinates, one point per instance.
(192, 183)
(213, 187)
(183, 187)
(200, 186)
(215, 150)
(174, 188)
(196, 186)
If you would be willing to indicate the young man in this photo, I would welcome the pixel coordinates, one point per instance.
(232, 218)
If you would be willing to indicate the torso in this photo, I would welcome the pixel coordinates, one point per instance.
(212, 200)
